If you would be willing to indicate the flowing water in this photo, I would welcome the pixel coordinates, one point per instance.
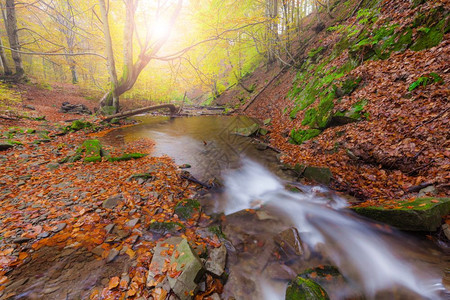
(374, 260)
(372, 257)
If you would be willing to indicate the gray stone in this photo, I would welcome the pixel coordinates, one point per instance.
(113, 253)
(53, 166)
(320, 175)
(21, 240)
(109, 228)
(430, 190)
(446, 229)
(216, 261)
(112, 202)
(60, 227)
(158, 260)
(43, 235)
(422, 214)
(97, 251)
(214, 296)
(289, 240)
(132, 223)
(191, 269)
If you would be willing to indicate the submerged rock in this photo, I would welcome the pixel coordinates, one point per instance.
(305, 289)
(422, 214)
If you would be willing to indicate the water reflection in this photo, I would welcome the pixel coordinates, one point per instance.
(207, 143)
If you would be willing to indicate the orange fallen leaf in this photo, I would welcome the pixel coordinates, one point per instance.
(435, 201)
(113, 283)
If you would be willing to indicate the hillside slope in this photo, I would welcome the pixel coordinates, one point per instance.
(368, 99)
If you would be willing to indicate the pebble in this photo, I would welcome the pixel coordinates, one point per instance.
(112, 255)
(60, 227)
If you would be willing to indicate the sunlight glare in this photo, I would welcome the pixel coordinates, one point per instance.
(160, 29)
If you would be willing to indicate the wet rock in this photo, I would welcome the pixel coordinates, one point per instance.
(216, 261)
(185, 284)
(112, 202)
(320, 175)
(185, 166)
(305, 289)
(422, 214)
(289, 241)
(60, 227)
(113, 253)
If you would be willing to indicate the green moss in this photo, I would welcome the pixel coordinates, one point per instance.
(300, 136)
(350, 84)
(294, 112)
(217, 230)
(165, 227)
(92, 149)
(186, 208)
(431, 38)
(78, 125)
(310, 116)
(305, 289)
(312, 54)
(127, 156)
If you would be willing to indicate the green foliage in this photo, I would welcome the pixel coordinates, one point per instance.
(426, 80)
(294, 112)
(300, 136)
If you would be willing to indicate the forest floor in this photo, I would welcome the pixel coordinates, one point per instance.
(93, 211)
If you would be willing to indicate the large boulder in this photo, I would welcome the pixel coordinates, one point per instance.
(186, 272)
(318, 174)
(422, 214)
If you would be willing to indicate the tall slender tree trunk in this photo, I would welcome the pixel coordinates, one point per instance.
(111, 98)
(4, 61)
(13, 37)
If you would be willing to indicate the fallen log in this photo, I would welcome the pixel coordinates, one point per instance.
(138, 111)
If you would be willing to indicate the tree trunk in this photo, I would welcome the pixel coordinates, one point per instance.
(138, 111)
(111, 98)
(11, 29)
(6, 69)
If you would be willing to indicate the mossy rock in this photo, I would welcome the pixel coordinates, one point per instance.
(318, 174)
(185, 209)
(349, 116)
(163, 228)
(305, 289)
(78, 125)
(93, 150)
(300, 136)
(70, 158)
(217, 230)
(248, 131)
(429, 37)
(143, 176)
(422, 214)
(127, 156)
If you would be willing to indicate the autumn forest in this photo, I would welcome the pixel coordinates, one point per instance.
(224, 149)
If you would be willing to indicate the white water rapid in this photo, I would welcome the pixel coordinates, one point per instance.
(373, 257)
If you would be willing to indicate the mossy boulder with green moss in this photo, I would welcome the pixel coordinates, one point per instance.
(186, 208)
(163, 228)
(300, 136)
(422, 214)
(305, 289)
(78, 125)
(127, 156)
(92, 149)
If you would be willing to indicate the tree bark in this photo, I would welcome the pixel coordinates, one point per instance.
(138, 111)
(111, 98)
(6, 69)
(131, 69)
(13, 37)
